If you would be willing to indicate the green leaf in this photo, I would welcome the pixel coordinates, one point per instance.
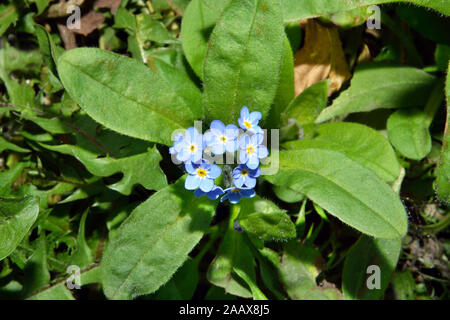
(285, 92)
(8, 177)
(265, 220)
(381, 86)
(183, 284)
(154, 242)
(358, 142)
(242, 64)
(125, 95)
(287, 195)
(298, 269)
(104, 153)
(256, 291)
(408, 133)
(443, 173)
(357, 278)
(142, 168)
(41, 5)
(19, 94)
(59, 292)
(442, 57)
(430, 24)
(6, 145)
(13, 59)
(17, 216)
(296, 10)
(82, 256)
(198, 22)
(36, 270)
(149, 29)
(307, 105)
(234, 253)
(403, 284)
(49, 50)
(8, 16)
(408, 129)
(344, 188)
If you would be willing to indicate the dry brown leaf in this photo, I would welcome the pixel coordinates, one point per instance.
(89, 22)
(59, 10)
(321, 57)
(67, 37)
(112, 5)
(365, 55)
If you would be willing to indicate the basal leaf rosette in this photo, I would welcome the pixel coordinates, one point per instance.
(225, 153)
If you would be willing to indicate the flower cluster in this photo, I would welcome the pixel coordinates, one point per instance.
(189, 148)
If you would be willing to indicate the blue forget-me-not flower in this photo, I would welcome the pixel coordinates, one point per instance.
(244, 177)
(249, 121)
(251, 150)
(190, 147)
(234, 195)
(201, 176)
(215, 193)
(221, 138)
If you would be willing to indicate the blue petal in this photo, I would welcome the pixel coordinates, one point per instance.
(231, 131)
(231, 146)
(197, 157)
(190, 168)
(183, 155)
(244, 112)
(244, 141)
(241, 124)
(180, 145)
(209, 138)
(206, 184)
(243, 157)
(214, 171)
(252, 162)
(190, 135)
(250, 182)
(248, 193)
(192, 182)
(255, 173)
(254, 117)
(218, 148)
(239, 181)
(237, 171)
(257, 130)
(260, 137)
(215, 193)
(198, 193)
(262, 152)
(254, 140)
(235, 197)
(218, 125)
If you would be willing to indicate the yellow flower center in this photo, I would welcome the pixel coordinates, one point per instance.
(235, 190)
(202, 172)
(247, 124)
(244, 172)
(250, 149)
(192, 148)
(223, 139)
